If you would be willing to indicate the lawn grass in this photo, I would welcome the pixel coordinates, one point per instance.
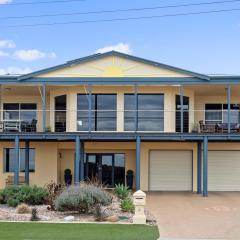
(52, 231)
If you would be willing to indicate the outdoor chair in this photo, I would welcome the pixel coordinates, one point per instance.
(223, 127)
(29, 127)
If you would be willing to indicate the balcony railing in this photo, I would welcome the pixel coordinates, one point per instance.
(147, 120)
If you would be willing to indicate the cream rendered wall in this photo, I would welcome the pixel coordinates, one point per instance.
(46, 163)
(169, 92)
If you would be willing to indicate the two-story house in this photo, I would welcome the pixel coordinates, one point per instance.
(107, 113)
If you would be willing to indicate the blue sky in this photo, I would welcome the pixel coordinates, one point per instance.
(204, 43)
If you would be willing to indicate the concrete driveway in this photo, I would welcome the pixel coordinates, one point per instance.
(190, 216)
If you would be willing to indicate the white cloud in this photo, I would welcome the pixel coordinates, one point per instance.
(32, 55)
(3, 54)
(14, 70)
(5, 1)
(5, 43)
(121, 47)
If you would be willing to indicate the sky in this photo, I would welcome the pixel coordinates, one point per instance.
(204, 43)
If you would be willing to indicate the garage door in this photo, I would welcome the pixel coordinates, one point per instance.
(170, 171)
(224, 170)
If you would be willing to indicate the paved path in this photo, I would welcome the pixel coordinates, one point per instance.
(188, 216)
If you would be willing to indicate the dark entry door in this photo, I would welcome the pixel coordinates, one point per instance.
(185, 114)
(100, 167)
(60, 113)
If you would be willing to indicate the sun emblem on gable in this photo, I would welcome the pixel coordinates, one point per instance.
(113, 71)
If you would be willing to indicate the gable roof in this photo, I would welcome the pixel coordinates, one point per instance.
(112, 53)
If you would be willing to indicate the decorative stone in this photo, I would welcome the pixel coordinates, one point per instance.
(113, 218)
(69, 218)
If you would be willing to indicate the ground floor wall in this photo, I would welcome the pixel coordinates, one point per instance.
(52, 158)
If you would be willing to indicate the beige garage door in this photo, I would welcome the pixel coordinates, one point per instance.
(224, 170)
(170, 170)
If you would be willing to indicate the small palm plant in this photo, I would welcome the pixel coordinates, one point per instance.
(121, 191)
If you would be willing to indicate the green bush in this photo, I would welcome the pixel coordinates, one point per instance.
(24, 194)
(12, 202)
(127, 205)
(2, 200)
(82, 198)
(121, 191)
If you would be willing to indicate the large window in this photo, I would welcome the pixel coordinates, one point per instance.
(9, 160)
(150, 112)
(218, 113)
(25, 111)
(103, 112)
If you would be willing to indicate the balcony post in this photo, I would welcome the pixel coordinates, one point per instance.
(89, 108)
(17, 161)
(44, 107)
(181, 103)
(205, 166)
(81, 161)
(138, 162)
(229, 108)
(136, 107)
(77, 160)
(199, 168)
(27, 162)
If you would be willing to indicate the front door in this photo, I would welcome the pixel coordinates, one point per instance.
(100, 167)
(107, 168)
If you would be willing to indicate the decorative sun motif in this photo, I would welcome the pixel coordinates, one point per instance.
(113, 71)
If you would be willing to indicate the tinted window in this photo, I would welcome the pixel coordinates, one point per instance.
(150, 112)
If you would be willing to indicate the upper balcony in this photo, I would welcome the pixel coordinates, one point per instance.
(117, 109)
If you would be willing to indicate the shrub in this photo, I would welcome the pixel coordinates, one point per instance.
(121, 191)
(12, 202)
(23, 209)
(127, 205)
(82, 198)
(24, 194)
(2, 200)
(54, 190)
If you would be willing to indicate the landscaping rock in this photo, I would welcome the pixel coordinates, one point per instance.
(69, 218)
(113, 218)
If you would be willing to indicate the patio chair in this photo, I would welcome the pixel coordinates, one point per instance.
(29, 127)
(223, 127)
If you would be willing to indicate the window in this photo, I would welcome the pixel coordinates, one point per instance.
(103, 112)
(218, 113)
(9, 159)
(150, 112)
(24, 111)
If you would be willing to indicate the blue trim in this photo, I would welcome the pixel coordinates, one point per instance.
(199, 168)
(229, 108)
(138, 162)
(44, 107)
(17, 161)
(82, 161)
(113, 53)
(181, 102)
(77, 160)
(27, 162)
(205, 166)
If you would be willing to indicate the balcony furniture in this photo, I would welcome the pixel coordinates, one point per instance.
(12, 125)
(10, 180)
(223, 127)
(206, 128)
(29, 127)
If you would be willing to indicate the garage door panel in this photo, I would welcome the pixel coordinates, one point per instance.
(170, 170)
(224, 170)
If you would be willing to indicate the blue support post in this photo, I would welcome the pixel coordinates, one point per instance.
(43, 107)
(138, 160)
(136, 107)
(229, 108)
(89, 109)
(17, 161)
(77, 160)
(27, 162)
(205, 166)
(81, 161)
(181, 103)
(199, 169)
